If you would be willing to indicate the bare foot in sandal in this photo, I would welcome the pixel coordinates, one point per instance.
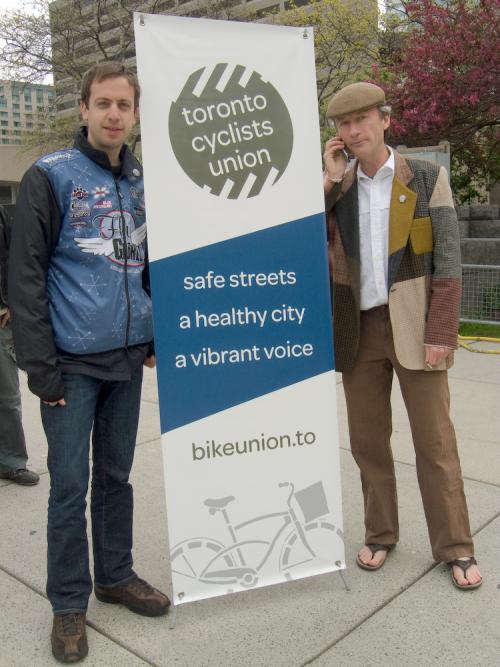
(468, 576)
(372, 556)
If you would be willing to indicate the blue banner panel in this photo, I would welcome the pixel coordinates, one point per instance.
(241, 318)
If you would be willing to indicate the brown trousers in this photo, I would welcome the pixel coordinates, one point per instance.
(426, 395)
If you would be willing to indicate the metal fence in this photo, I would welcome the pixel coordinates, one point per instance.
(480, 293)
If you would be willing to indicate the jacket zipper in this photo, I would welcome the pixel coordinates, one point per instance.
(125, 257)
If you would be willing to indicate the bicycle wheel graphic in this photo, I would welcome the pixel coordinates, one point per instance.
(295, 553)
(191, 557)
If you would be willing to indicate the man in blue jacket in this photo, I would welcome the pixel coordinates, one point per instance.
(79, 294)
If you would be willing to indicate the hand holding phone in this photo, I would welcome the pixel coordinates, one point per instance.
(335, 158)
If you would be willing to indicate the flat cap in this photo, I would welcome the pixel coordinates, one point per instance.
(355, 97)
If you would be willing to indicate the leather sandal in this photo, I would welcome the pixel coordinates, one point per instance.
(374, 548)
(464, 565)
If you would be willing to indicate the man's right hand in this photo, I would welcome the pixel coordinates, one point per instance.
(4, 319)
(53, 404)
(334, 158)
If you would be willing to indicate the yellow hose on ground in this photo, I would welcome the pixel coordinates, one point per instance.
(477, 339)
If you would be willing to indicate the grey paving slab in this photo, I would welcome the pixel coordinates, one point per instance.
(431, 623)
(149, 386)
(476, 367)
(149, 422)
(25, 632)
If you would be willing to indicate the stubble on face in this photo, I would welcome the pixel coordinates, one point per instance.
(110, 115)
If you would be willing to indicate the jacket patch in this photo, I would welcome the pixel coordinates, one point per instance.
(100, 191)
(113, 243)
(421, 235)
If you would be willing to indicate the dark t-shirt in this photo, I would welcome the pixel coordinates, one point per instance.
(111, 365)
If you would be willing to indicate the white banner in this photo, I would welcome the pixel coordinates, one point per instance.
(236, 236)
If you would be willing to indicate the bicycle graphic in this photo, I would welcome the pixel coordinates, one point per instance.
(209, 561)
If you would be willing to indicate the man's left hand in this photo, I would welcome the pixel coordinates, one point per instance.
(435, 354)
(4, 319)
(150, 362)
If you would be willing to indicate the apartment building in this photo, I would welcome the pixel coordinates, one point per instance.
(20, 103)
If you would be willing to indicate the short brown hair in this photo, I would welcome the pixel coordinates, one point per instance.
(108, 69)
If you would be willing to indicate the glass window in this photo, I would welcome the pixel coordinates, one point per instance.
(4, 123)
(16, 107)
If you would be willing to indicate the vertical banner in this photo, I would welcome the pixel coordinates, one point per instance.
(241, 301)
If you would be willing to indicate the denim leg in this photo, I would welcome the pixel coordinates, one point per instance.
(13, 455)
(68, 434)
(112, 503)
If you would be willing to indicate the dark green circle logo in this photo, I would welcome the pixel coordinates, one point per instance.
(231, 131)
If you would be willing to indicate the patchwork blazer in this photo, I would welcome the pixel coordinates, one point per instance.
(424, 267)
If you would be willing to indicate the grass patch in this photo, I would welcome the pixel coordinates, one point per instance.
(479, 329)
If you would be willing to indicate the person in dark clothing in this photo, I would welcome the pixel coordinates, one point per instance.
(13, 454)
(79, 292)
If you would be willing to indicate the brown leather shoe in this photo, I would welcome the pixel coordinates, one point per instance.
(137, 595)
(69, 637)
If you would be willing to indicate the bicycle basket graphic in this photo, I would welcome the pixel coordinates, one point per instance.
(312, 501)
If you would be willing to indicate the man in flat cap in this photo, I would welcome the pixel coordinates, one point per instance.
(394, 253)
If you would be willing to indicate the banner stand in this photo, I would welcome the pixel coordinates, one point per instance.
(241, 301)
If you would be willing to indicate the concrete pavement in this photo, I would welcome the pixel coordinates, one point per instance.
(407, 613)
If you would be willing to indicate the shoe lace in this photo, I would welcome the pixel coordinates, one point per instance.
(70, 624)
(141, 587)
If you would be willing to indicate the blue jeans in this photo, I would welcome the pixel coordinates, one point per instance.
(111, 411)
(13, 453)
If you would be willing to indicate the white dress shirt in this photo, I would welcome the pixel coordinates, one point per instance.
(374, 199)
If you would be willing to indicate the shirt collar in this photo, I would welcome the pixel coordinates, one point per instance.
(387, 169)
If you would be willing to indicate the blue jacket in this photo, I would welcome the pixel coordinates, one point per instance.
(77, 261)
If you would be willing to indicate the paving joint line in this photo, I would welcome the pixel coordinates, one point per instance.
(369, 616)
(95, 627)
(391, 599)
(468, 379)
(91, 624)
(147, 442)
